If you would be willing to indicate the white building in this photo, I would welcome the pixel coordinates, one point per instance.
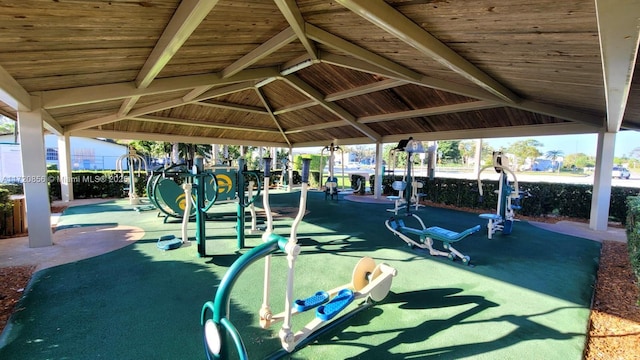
(86, 153)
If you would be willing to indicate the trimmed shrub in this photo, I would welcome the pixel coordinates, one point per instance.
(633, 235)
(541, 199)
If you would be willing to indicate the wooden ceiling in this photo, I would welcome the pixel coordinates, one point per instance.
(310, 72)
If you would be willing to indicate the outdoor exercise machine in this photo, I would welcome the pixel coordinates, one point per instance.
(407, 195)
(369, 282)
(131, 159)
(331, 185)
(509, 197)
(209, 186)
(427, 235)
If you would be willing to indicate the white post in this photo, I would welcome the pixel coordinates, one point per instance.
(290, 182)
(34, 172)
(478, 159)
(175, 153)
(64, 166)
(214, 154)
(377, 192)
(599, 218)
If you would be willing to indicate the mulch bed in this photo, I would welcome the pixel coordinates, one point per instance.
(614, 331)
(14, 280)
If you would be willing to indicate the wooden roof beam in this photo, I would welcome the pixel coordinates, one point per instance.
(297, 106)
(235, 107)
(184, 22)
(127, 135)
(314, 127)
(91, 94)
(495, 132)
(290, 10)
(266, 104)
(472, 92)
(365, 89)
(392, 21)
(159, 106)
(358, 52)
(436, 110)
(51, 124)
(371, 63)
(12, 93)
(619, 32)
(314, 94)
(265, 49)
(203, 124)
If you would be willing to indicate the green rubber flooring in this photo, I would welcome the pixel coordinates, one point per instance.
(527, 295)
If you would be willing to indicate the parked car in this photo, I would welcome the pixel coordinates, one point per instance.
(620, 172)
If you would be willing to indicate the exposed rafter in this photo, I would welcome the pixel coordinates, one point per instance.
(266, 104)
(619, 30)
(290, 10)
(297, 106)
(372, 67)
(365, 89)
(159, 107)
(358, 52)
(92, 94)
(314, 94)
(184, 22)
(12, 93)
(268, 47)
(527, 105)
(236, 107)
(436, 110)
(496, 132)
(321, 126)
(50, 124)
(390, 20)
(203, 124)
(125, 135)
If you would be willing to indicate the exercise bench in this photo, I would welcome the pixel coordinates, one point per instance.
(428, 235)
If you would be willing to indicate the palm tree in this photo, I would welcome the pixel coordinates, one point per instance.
(553, 155)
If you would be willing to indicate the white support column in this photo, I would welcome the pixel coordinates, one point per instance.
(599, 218)
(64, 166)
(377, 191)
(34, 171)
(214, 155)
(478, 159)
(290, 182)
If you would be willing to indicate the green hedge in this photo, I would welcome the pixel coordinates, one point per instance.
(96, 184)
(633, 235)
(542, 199)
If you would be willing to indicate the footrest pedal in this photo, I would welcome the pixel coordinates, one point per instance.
(337, 304)
(312, 301)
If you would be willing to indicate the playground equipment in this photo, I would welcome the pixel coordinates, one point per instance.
(131, 159)
(509, 197)
(369, 282)
(331, 185)
(428, 235)
(209, 186)
(407, 195)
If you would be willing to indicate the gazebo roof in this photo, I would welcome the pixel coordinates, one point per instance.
(309, 72)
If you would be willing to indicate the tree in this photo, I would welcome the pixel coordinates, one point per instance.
(467, 150)
(553, 155)
(579, 161)
(449, 151)
(525, 149)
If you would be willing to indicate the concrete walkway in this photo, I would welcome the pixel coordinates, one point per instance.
(69, 244)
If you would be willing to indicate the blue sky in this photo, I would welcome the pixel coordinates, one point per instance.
(626, 141)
